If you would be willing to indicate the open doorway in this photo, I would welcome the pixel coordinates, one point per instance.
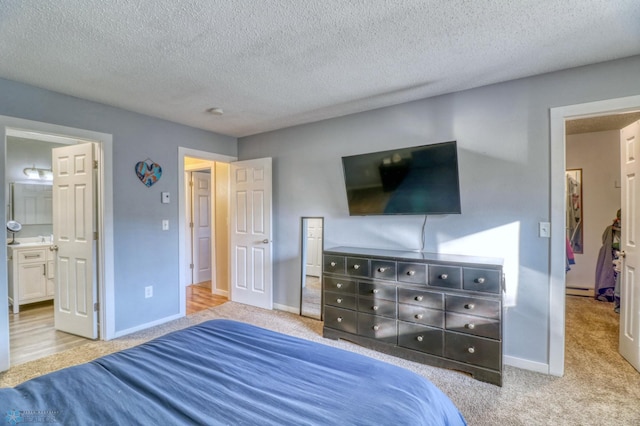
(205, 198)
(312, 237)
(101, 166)
(559, 118)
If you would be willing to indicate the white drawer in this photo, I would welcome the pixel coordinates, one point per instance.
(35, 255)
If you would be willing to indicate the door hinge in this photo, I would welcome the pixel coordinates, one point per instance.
(95, 164)
(95, 235)
(191, 266)
(190, 224)
(96, 306)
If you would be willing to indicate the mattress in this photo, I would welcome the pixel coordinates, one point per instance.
(225, 372)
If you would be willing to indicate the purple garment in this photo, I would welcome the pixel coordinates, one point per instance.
(605, 276)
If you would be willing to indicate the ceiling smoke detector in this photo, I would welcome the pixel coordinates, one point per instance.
(215, 111)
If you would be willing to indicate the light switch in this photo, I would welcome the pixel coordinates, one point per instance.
(165, 224)
(544, 230)
(165, 198)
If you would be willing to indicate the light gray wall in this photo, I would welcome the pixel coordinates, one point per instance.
(504, 158)
(144, 255)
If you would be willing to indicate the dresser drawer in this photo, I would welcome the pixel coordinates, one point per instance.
(473, 350)
(421, 338)
(341, 300)
(383, 270)
(341, 319)
(339, 285)
(470, 324)
(385, 308)
(425, 299)
(445, 276)
(333, 264)
(415, 273)
(357, 267)
(377, 291)
(420, 315)
(36, 255)
(484, 280)
(489, 308)
(376, 327)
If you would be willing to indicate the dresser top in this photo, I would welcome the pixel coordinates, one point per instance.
(416, 255)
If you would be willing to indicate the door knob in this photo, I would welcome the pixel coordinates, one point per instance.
(265, 241)
(53, 248)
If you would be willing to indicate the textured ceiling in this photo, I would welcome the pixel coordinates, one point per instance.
(274, 64)
(601, 124)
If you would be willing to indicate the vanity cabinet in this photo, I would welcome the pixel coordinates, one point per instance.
(442, 310)
(31, 274)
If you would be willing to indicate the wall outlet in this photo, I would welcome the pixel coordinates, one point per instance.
(148, 291)
(165, 224)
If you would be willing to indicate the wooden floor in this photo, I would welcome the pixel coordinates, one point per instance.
(199, 298)
(33, 336)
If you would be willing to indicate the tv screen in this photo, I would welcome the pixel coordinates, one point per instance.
(421, 180)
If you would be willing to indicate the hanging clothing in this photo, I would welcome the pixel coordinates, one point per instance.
(571, 259)
(605, 273)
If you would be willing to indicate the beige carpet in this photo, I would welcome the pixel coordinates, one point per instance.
(599, 387)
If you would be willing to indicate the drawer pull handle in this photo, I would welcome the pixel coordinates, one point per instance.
(411, 273)
(469, 306)
(31, 256)
(339, 300)
(339, 319)
(375, 307)
(419, 338)
(375, 291)
(338, 285)
(376, 327)
(356, 266)
(419, 316)
(444, 276)
(471, 350)
(382, 269)
(470, 326)
(419, 298)
(333, 264)
(480, 280)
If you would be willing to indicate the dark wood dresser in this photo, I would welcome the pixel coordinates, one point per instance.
(442, 310)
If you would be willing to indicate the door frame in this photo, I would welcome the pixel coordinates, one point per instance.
(105, 258)
(557, 278)
(182, 237)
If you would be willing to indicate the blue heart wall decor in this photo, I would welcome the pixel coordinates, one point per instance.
(148, 172)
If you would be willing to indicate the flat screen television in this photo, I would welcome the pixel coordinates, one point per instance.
(420, 180)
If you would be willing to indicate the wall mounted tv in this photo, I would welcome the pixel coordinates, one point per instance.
(421, 180)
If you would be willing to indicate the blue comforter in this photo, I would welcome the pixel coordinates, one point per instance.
(224, 372)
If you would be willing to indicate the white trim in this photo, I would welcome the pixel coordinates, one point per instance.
(105, 225)
(147, 325)
(203, 155)
(286, 308)
(557, 250)
(526, 364)
(223, 293)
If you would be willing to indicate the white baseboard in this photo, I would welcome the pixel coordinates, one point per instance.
(147, 325)
(224, 293)
(526, 364)
(290, 309)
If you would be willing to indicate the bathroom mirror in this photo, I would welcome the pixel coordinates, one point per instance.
(311, 277)
(32, 203)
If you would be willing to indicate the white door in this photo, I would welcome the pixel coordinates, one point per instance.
(630, 283)
(201, 227)
(251, 257)
(314, 247)
(74, 223)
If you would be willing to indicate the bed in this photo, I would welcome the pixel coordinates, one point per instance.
(230, 373)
